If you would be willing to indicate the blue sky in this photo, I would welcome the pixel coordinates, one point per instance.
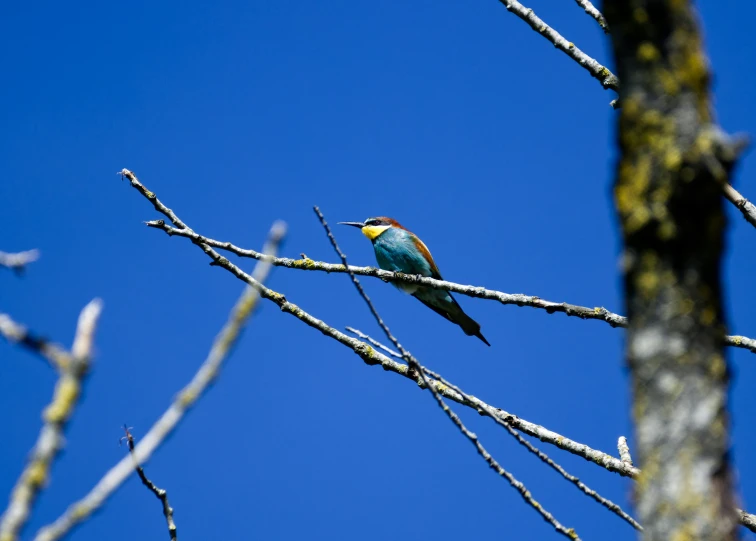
(457, 120)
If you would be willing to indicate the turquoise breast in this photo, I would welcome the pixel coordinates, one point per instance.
(395, 251)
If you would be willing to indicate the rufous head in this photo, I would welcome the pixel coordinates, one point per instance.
(372, 227)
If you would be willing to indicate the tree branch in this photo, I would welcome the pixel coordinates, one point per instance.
(591, 10)
(184, 400)
(744, 205)
(613, 507)
(372, 357)
(160, 493)
(624, 451)
(16, 333)
(599, 72)
(518, 299)
(56, 415)
(415, 366)
(18, 262)
(606, 77)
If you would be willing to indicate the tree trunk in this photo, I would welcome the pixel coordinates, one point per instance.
(668, 193)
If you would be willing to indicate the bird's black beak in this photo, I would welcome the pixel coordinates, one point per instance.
(353, 224)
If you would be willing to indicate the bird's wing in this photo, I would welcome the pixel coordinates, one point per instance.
(439, 311)
(420, 245)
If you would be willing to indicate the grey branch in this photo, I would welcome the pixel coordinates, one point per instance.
(56, 415)
(624, 451)
(207, 373)
(517, 299)
(415, 366)
(606, 77)
(599, 72)
(374, 342)
(160, 493)
(372, 357)
(746, 519)
(591, 10)
(18, 261)
(16, 333)
(747, 208)
(613, 507)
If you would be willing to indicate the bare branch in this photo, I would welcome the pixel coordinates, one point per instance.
(522, 441)
(599, 72)
(372, 357)
(166, 424)
(18, 262)
(746, 519)
(591, 10)
(744, 205)
(16, 333)
(624, 451)
(414, 365)
(374, 342)
(56, 414)
(606, 77)
(160, 494)
(518, 299)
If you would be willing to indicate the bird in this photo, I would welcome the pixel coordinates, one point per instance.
(397, 249)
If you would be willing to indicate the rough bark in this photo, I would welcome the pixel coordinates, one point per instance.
(668, 193)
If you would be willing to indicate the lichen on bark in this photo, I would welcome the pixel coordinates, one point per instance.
(668, 194)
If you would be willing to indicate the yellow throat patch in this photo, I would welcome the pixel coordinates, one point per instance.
(372, 231)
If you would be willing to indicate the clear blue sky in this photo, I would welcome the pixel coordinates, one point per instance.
(457, 120)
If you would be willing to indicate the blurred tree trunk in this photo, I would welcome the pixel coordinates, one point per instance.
(668, 194)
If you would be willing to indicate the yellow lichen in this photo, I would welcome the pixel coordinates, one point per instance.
(647, 52)
(667, 230)
(79, 512)
(669, 83)
(37, 473)
(187, 397)
(708, 315)
(66, 393)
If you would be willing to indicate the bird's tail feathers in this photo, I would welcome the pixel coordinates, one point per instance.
(456, 315)
(470, 326)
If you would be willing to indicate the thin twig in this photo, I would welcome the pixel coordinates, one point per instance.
(624, 451)
(591, 10)
(599, 72)
(160, 493)
(607, 503)
(17, 262)
(372, 357)
(415, 365)
(518, 299)
(183, 401)
(373, 310)
(605, 76)
(374, 342)
(56, 415)
(522, 441)
(16, 333)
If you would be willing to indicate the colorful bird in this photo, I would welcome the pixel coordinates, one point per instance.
(399, 250)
